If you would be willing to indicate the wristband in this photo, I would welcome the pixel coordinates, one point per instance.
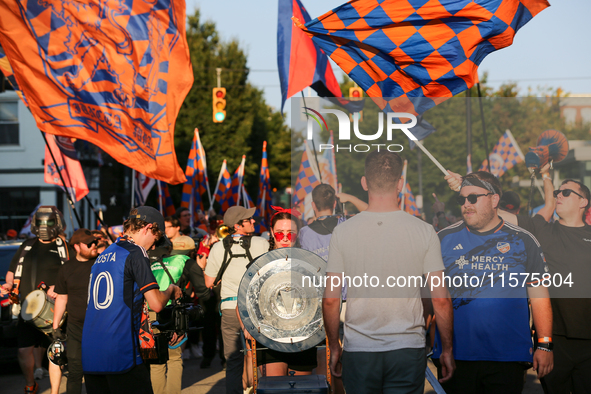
(544, 349)
(546, 177)
(545, 340)
(546, 346)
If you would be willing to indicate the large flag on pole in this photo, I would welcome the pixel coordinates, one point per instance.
(427, 50)
(234, 193)
(264, 200)
(223, 184)
(143, 186)
(246, 200)
(504, 156)
(68, 165)
(113, 73)
(308, 177)
(197, 182)
(301, 63)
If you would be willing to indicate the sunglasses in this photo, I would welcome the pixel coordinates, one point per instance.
(565, 193)
(245, 220)
(472, 198)
(279, 236)
(89, 245)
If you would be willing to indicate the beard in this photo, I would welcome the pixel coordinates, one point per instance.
(478, 220)
(89, 254)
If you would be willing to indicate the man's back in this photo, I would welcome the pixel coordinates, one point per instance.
(384, 254)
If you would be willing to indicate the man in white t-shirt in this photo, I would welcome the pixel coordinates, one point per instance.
(383, 254)
(243, 248)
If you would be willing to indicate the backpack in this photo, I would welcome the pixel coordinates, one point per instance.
(228, 241)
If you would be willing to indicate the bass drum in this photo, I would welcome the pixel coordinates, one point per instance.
(37, 309)
(280, 299)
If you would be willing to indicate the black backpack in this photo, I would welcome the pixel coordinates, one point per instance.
(228, 241)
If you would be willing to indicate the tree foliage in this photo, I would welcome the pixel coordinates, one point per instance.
(249, 120)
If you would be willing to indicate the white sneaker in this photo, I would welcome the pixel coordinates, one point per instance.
(39, 374)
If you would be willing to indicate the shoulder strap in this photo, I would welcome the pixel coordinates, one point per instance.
(166, 270)
(27, 245)
(228, 242)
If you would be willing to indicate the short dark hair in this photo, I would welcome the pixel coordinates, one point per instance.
(324, 197)
(133, 225)
(584, 191)
(280, 216)
(180, 211)
(173, 220)
(382, 170)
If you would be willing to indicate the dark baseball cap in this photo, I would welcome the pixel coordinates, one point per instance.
(510, 200)
(237, 213)
(82, 236)
(150, 215)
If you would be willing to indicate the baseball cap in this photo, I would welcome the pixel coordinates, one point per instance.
(510, 200)
(12, 233)
(237, 213)
(82, 236)
(150, 215)
(182, 244)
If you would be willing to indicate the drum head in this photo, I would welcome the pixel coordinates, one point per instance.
(280, 299)
(33, 305)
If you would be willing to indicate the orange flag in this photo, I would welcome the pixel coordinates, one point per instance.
(112, 73)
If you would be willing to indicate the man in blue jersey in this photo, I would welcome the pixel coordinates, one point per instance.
(120, 282)
(493, 268)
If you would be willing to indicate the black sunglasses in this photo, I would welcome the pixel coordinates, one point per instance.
(565, 193)
(245, 220)
(89, 245)
(472, 198)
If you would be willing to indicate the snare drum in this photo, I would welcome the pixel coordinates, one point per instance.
(37, 309)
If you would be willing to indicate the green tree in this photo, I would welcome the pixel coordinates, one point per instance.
(249, 120)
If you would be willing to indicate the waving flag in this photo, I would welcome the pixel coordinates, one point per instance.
(6, 69)
(264, 199)
(143, 186)
(307, 178)
(164, 200)
(233, 194)
(99, 71)
(406, 198)
(504, 156)
(301, 63)
(70, 168)
(424, 50)
(197, 182)
(328, 165)
(223, 184)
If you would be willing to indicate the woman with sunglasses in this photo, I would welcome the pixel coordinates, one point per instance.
(283, 234)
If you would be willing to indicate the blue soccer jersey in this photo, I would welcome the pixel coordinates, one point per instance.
(487, 276)
(110, 338)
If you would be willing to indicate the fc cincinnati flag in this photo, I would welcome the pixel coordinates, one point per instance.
(223, 184)
(301, 63)
(234, 193)
(165, 200)
(113, 73)
(504, 156)
(68, 165)
(328, 165)
(308, 177)
(417, 52)
(197, 182)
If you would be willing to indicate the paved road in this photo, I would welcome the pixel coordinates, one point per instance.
(195, 380)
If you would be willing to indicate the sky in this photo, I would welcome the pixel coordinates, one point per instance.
(552, 50)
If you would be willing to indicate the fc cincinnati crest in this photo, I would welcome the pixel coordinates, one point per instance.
(503, 247)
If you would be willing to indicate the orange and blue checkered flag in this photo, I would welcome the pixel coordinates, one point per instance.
(246, 200)
(110, 72)
(165, 200)
(406, 199)
(504, 156)
(234, 193)
(264, 200)
(197, 182)
(307, 178)
(418, 51)
(223, 185)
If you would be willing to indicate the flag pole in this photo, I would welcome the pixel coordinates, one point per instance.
(62, 179)
(132, 188)
(483, 126)
(217, 186)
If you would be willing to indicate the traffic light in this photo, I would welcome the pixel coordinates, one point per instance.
(219, 105)
(355, 93)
